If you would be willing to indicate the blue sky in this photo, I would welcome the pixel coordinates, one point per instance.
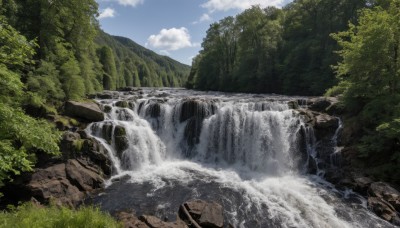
(170, 27)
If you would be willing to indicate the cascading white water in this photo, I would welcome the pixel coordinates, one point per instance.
(249, 153)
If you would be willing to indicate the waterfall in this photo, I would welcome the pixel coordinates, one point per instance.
(253, 154)
(262, 136)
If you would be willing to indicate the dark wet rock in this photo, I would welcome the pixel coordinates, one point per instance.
(120, 139)
(122, 104)
(107, 108)
(361, 184)
(88, 111)
(154, 110)
(293, 105)
(98, 154)
(202, 214)
(194, 112)
(324, 121)
(307, 116)
(195, 108)
(383, 209)
(106, 131)
(163, 95)
(127, 89)
(385, 192)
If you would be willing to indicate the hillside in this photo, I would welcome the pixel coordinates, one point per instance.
(138, 66)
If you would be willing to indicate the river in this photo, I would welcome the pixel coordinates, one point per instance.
(250, 153)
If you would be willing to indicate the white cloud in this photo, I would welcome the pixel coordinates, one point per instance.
(132, 3)
(171, 39)
(225, 5)
(203, 18)
(106, 13)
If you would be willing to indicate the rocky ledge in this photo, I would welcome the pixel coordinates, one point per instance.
(192, 214)
(382, 198)
(66, 180)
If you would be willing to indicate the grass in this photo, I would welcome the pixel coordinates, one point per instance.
(29, 215)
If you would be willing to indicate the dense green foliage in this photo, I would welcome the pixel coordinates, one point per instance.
(20, 135)
(370, 83)
(272, 50)
(51, 51)
(74, 57)
(55, 217)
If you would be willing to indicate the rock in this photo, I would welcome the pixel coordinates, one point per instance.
(129, 220)
(83, 178)
(202, 214)
(107, 108)
(84, 110)
(52, 184)
(321, 104)
(106, 131)
(105, 96)
(127, 89)
(154, 110)
(383, 209)
(195, 108)
(120, 140)
(324, 121)
(67, 144)
(293, 105)
(385, 192)
(98, 154)
(361, 184)
(212, 216)
(122, 104)
(154, 222)
(195, 208)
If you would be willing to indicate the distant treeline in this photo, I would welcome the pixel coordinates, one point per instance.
(73, 57)
(287, 51)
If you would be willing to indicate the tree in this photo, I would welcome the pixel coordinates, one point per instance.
(370, 72)
(20, 135)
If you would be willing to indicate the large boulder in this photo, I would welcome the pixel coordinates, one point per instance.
(383, 209)
(96, 152)
(202, 214)
(386, 192)
(324, 121)
(51, 184)
(85, 179)
(88, 111)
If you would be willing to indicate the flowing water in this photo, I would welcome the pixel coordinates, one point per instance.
(250, 153)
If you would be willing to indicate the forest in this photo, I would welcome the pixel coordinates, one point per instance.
(348, 49)
(53, 51)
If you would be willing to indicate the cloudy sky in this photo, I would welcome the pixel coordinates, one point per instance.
(170, 27)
